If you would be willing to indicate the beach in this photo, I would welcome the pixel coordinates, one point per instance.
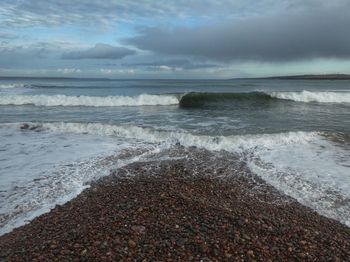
(194, 208)
(157, 131)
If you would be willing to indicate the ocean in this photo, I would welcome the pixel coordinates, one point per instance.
(59, 135)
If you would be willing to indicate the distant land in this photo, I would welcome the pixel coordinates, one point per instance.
(52, 78)
(287, 77)
(310, 77)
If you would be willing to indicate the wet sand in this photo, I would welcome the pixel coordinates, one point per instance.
(179, 210)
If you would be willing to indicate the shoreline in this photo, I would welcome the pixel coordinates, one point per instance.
(194, 208)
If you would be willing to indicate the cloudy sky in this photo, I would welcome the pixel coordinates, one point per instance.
(173, 38)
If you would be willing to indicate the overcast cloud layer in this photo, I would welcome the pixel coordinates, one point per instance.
(282, 37)
(192, 38)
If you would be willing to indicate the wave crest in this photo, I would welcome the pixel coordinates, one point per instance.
(93, 101)
(195, 99)
(216, 143)
(308, 96)
(187, 100)
(9, 86)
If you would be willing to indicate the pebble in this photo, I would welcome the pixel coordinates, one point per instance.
(250, 253)
(139, 229)
(179, 216)
(132, 244)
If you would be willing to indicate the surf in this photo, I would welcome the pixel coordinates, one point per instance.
(183, 100)
(311, 96)
(91, 101)
(10, 86)
(308, 166)
(198, 99)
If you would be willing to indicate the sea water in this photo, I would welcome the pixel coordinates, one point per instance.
(59, 135)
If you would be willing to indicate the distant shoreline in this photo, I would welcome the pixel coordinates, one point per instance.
(286, 77)
(305, 77)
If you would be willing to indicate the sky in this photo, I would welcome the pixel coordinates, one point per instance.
(178, 39)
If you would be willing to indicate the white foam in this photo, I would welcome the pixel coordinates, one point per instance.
(316, 174)
(54, 187)
(9, 86)
(94, 101)
(310, 96)
(229, 143)
(304, 165)
(40, 170)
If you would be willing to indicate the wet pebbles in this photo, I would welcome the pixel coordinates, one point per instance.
(196, 208)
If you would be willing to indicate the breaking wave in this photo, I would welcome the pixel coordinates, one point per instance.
(308, 96)
(217, 143)
(93, 101)
(187, 100)
(201, 99)
(195, 99)
(8, 86)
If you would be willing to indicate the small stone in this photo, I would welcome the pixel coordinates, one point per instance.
(204, 248)
(250, 253)
(228, 255)
(275, 249)
(337, 259)
(65, 252)
(301, 255)
(132, 244)
(180, 242)
(139, 229)
(83, 252)
(97, 243)
(241, 222)
(246, 237)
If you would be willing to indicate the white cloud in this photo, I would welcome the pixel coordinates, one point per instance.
(69, 70)
(108, 71)
(167, 68)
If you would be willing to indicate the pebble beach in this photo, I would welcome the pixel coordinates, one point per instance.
(179, 210)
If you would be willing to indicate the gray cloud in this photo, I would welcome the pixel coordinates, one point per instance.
(38, 50)
(321, 32)
(8, 35)
(100, 51)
